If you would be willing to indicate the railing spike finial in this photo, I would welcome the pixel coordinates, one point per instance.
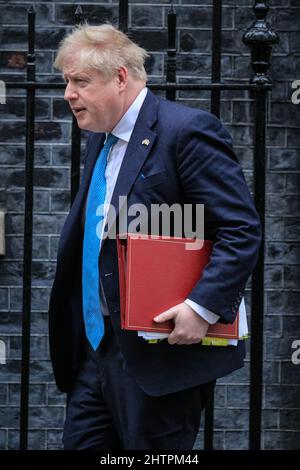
(79, 16)
(260, 38)
(171, 10)
(31, 10)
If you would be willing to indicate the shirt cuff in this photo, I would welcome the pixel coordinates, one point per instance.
(209, 316)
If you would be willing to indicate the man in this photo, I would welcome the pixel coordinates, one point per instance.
(124, 393)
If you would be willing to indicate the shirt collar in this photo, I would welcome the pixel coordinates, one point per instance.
(124, 128)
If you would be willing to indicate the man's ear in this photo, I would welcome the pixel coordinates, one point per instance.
(122, 77)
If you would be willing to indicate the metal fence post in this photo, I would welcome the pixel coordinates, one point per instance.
(215, 104)
(76, 133)
(171, 53)
(27, 258)
(260, 38)
(123, 15)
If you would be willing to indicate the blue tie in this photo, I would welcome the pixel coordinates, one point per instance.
(92, 314)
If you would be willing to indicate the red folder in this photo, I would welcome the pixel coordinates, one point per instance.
(156, 273)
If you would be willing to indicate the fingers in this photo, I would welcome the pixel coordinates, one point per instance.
(167, 315)
(174, 338)
(187, 328)
(180, 336)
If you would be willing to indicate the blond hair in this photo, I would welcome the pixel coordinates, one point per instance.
(104, 48)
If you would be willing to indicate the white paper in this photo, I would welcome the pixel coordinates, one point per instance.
(243, 328)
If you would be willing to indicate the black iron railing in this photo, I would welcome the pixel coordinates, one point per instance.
(260, 38)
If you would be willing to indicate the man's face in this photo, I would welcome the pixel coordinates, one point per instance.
(95, 102)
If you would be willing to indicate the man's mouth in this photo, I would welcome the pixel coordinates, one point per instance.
(78, 110)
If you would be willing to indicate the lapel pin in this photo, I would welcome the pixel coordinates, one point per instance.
(146, 142)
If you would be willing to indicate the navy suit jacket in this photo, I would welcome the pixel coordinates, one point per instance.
(189, 160)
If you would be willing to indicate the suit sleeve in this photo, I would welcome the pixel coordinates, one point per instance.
(211, 175)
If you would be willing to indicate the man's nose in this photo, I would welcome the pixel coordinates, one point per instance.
(70, 93)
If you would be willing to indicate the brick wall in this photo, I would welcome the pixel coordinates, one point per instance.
(281, 409)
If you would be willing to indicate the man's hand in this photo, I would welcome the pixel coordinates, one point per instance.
(190, 327)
